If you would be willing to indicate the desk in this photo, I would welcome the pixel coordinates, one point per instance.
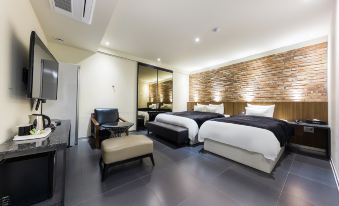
(41, 160)
(311, 138)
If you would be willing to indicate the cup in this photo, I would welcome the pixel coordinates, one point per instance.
(24, 130)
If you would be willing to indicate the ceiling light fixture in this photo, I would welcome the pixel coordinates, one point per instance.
(107, 43)
(158, 59)
(197, 40)
(216, 29)
(59, 40)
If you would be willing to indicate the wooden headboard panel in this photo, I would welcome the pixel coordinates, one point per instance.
(283, 110)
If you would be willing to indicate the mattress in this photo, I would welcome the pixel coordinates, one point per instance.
(190, 124)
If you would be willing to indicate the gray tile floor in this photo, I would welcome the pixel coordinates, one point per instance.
(185, 176)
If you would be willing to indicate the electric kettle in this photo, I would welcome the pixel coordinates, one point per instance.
(39, 121)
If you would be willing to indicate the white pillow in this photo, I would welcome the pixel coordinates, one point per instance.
(219, 108)
(269, 107)
(152, 106)
(255, 111)
(166, 106)
(200, 108)
(211, 109)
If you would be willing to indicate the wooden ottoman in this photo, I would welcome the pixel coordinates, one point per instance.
(124, 149)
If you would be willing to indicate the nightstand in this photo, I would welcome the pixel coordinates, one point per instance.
(311, 138)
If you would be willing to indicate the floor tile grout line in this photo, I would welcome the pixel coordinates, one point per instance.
(114, 188)
(312, 180)
(154, 193)
(101, 193)
(209, 184)
(307, 178)
(209, 159)
(288, 173)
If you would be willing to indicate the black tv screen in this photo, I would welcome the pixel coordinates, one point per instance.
(42, 71)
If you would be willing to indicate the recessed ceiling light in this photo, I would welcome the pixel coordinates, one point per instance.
(158, 59)
(197, 39)
(107, 43)
(59, 40)
(216, 29)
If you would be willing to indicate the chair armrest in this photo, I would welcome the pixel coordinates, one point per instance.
(122, 119)
(94, 121)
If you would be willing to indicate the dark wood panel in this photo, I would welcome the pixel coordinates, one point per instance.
(283, 110)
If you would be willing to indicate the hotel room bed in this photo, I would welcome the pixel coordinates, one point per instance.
(251, 140)
(190, 120)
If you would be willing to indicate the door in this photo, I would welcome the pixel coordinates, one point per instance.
(66, 105)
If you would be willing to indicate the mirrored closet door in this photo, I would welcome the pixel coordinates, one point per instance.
(155, 93)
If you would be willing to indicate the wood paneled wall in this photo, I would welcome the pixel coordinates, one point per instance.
(283, 110)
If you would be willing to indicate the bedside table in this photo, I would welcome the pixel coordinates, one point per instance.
(311, 138)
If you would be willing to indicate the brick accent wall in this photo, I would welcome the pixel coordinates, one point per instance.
(165, 89)
(295, 75)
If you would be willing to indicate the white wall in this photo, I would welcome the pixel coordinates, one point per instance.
(180, 91)
(17, 20)
(334, 86)
(98, 74)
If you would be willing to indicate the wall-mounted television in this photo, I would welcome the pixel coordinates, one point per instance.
(42, 79)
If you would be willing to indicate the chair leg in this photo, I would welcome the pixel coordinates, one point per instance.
(152, 159)
(100, 162)
(97, 142)
(103, 172)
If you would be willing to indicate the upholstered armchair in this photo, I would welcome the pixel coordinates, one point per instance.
(100, 117)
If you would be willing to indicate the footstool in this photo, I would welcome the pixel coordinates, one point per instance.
(124, 149)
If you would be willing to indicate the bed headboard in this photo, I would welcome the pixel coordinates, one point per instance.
(283, 110)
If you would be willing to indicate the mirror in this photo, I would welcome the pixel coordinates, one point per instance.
(155, 93)
(165, 89)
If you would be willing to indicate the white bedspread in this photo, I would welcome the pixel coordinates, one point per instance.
(146, 116)
(190, 124)
(249, 138)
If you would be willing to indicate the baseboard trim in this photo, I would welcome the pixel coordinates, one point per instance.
(335, 173)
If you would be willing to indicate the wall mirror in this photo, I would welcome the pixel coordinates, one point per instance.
(154, 93)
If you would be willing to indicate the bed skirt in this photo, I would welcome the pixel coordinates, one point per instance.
(251, 159)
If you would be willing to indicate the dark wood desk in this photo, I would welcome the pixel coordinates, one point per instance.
(28, 169)
(311, 138)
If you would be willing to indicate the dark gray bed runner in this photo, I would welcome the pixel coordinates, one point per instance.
(198, 117)
(281, 129)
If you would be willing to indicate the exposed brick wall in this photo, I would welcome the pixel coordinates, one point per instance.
(165, 89)
(296, 75)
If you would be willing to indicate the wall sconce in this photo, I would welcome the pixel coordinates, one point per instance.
(248, 93)
(217, 98)
(248, 97)
(296, 95)
(196, 97)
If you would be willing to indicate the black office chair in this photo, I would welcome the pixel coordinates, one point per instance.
(100, 117)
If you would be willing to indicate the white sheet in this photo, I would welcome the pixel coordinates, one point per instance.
(252, 139)
(146, 116)
(190, 124)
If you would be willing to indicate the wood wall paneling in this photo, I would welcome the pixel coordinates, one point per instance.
(283, 110)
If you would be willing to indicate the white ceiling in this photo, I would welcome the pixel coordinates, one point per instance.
(75, 33)
(166, 29)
